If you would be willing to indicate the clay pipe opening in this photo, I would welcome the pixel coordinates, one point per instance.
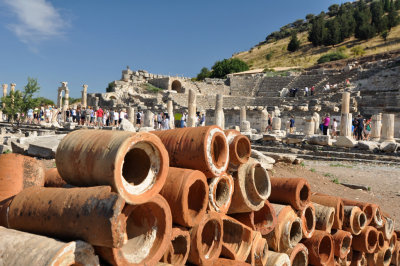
(187, 194)
(388, 228)
(298, 255)
(264, 220)
(220, 193)
(178, 250)
(308, 219)
(219, 152)
(293, 191)
(258, 185)
(320, 248)
(396, 254)
(239, 150)
(366, 241)
(392, 241)
(237, 239)
(342, 243)
(148, 232)
(381, 241)
(206, 239)
(325, 217)
(295, 233)
(259, 250)
(377, 220)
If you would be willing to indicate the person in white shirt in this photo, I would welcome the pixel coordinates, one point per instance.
(116, 118)
(306, 91)
(121, 115)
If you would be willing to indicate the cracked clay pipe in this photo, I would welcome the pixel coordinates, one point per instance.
(20, 248)
(148, 234)
(331, 201)
(200, 148)
(220, 193)
(178, 250)
(135, 165)
(239, 148)
(252, 188)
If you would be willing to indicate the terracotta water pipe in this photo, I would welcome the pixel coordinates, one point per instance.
(387, 228)
(308, 220)
(252, 187)
(372, 211)
(392, 241)
(18, 172)
(354, 220)
(383, 256)
(259, 250)
(237, 239)
(358, 258)
(226, 262)
(287, 232)
(263, 220)
(20, 248)
(342, 243)
(396, 254)
(178, 250)
(187, 194)
(220, 193)
(91, 214)
(200, 148)
(135, 165)
(320, 248)
(381, 241)
(206, 239)
(366, 241)
(293, 191)
(4, 208)
(325, 217)
(277, 259)
(53, 178)
(239, 148)
(331, 201)
(147, 235)
(298, 255)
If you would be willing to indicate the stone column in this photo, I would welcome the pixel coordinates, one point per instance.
(12, 87)
(387, 128)
(96, 101)
(242, 114)
(345, 103)
(170, 110)
(276, 124)
(317, 119)
(376, 127)
(5, 89)
(346, 135)
(149, 119)
(191, 120)
(310, 126)
(59, 98)
(264, 120)
(84, 95)
(346, 125)
(66, 102)
(131, 114)
(219, 111)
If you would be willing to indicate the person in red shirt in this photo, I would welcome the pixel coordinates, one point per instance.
(99, 114)
(312, 90)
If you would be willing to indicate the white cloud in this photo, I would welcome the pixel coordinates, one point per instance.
(37, 20)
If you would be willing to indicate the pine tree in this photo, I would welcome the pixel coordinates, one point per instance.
(294, 43)
(317, 32)
(333, 35)
(392, 18)
(377, 19)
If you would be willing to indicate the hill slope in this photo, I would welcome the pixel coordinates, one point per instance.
(308, 55)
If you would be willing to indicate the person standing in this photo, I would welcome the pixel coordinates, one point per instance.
(312, 90)
(269, 127)
(30, 116)
(327, 120)
(203, 120)
(74, 115)
(334, 128)
(121, 115)
(291, 124)
(116, 117)
(165, 124)
(306, 91)
(367, 129)
(138, 119)
(99, 114)
(360, 127)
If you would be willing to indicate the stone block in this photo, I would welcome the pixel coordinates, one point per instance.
(368, 145)
(18, 147)
(389, 146)
(323, 140)
(344, 141)
(125, 125)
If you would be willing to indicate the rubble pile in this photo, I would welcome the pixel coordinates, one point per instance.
(180, 196)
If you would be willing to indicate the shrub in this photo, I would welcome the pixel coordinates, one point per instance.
(358, 51)
(269, 55)
(331, 57)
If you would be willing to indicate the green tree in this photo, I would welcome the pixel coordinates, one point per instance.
(44, 101)
(392, 19)
(377, 18)
(386, 5)
(227, 66)
(333, 35)
(384, 35)
(333, 10)
(294, 43)
(110, 87)
(397, 5)
(309, 17)
(317, 32)
(204, 73)
(21, 102)
(363, 30)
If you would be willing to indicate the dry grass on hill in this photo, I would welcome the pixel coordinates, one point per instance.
(308, 55)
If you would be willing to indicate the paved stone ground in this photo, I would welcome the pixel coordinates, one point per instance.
(383, 180)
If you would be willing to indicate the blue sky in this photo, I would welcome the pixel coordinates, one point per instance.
(91, 41)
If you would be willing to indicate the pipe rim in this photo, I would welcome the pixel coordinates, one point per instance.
(211, 247)
(303, 193)
(258, 182)
(217, 151)
(221, 190)
(242, 149)
(325, 249)
(308, 220)
(194, 208)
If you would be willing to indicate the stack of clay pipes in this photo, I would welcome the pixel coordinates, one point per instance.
(181, 196)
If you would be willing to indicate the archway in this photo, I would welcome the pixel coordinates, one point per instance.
(176, 86)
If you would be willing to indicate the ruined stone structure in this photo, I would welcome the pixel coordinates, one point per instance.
(256, 91)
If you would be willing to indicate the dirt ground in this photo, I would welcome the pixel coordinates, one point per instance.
(323, 176)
